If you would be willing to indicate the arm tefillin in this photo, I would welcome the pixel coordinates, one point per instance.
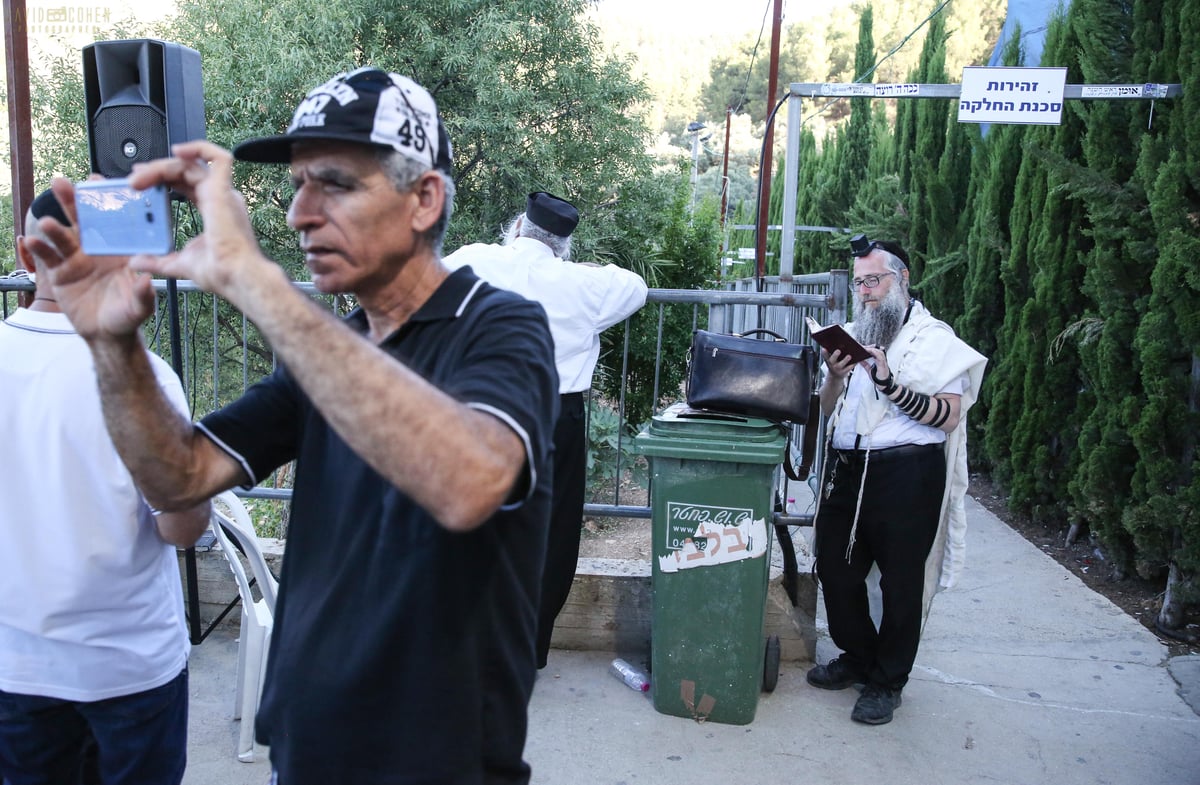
(923, 408)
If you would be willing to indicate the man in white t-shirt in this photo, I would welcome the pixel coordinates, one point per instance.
(93, 644)
(581, 300)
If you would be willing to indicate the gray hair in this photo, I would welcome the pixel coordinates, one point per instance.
(561, 246)
(403, 172)
(31, 226)
(896, 265)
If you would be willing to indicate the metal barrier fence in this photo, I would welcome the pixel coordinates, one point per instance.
(220, 354)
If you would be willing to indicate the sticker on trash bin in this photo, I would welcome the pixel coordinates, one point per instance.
(683, 518)
(718, 539)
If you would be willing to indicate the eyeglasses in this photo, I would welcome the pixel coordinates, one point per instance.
(870, 281)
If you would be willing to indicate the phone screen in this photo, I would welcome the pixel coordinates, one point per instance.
(116, 220)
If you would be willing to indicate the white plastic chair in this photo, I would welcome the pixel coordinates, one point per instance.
(229, 518)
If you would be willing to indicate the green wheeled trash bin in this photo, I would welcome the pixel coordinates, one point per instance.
(711, 502)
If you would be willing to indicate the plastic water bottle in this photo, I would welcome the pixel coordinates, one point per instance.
(791, 506)
(633, 678)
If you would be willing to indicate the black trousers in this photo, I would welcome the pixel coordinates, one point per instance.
(896, 528)
(566, 515)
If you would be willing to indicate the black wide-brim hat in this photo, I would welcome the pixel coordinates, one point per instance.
(554, 214)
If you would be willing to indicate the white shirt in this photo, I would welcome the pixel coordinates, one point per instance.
(91, 605)
(581, 301)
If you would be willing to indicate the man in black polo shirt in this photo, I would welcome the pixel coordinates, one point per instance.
(403, 646)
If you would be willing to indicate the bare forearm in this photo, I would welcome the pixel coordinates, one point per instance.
(157, 444)
(831, 389)
(458, 463)
(183, 528)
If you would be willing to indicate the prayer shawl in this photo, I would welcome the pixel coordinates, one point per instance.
(926, 356)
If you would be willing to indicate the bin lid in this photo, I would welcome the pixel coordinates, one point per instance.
(682, 432)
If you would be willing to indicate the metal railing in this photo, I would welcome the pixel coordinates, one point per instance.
(205, 361)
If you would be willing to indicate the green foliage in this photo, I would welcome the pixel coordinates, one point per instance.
(1118, 266)
(1164, 517)
(685, 247)
(930, 119)
(570, 124)
(994, 170)
(854, 148)
(952, 201)
(1032, 427)
(8, 257)
(610, 447)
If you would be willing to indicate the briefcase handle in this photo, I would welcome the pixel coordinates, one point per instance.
(771, 333)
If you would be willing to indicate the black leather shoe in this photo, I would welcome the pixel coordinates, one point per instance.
(875, 705)
(834, 675)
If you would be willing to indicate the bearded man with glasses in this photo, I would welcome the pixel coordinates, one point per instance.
(894, 480)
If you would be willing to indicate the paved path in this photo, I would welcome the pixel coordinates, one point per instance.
(1025, 676)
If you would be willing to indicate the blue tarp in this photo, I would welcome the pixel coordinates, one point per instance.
(1033, 16)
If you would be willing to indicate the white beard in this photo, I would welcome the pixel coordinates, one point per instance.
(880, 325)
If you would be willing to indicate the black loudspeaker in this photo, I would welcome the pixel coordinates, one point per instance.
(142, 97)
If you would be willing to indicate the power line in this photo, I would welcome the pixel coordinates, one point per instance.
(822, 109)
(753, 55)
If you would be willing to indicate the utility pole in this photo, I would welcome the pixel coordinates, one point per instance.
(764, 176)
(724, 196)
(725, 177)
(20, 129)
(694, 128)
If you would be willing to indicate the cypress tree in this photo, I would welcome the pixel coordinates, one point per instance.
(952, 201)
(809, 246)
(1164, 519)
(1028, 197)
(854, 147)
(905, 138)
(988, 244)
(1044, 233)
(775, 210)
(929, 122)
(1118, 276)
(1043, 444)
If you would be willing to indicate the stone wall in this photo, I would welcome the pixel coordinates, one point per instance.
(609, 608)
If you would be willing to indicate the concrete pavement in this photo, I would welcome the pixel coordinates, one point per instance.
(1025, 676)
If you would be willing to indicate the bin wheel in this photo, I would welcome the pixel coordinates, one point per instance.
(771, 664)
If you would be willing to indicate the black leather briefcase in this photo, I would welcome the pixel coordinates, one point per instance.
(742, 375)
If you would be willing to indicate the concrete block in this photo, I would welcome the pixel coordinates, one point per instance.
(611, 606)
(609, 609)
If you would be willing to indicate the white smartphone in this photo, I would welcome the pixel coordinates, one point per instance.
(116, 220)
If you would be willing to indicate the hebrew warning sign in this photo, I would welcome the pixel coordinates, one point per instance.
(1023, 96)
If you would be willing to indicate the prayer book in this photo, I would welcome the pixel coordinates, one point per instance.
(834, 337)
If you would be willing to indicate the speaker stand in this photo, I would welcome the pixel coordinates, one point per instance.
(189, 555)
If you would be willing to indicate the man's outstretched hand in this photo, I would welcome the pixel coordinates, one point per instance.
(102, 295)
(202, 172)
(110, 296)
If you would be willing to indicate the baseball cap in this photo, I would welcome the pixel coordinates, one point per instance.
(552, 213)
(366, 106)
